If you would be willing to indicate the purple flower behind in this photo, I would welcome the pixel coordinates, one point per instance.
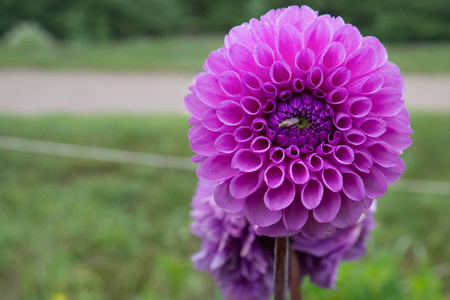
(231, 252)
(299, 121)
(241, 261)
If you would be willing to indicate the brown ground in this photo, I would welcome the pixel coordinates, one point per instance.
(31, 92)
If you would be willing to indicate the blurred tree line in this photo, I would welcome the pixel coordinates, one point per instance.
(92, 20)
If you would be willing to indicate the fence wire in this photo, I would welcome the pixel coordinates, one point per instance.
(417, 186)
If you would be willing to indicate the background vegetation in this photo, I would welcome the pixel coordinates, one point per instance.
(77, 229)
(390, 20)
(80, 229)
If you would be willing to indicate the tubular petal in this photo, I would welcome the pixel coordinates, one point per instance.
(332, 178)
(318, 35)
(295, 215)
(216, 169)
(225, 200)
(349, 212)
(312, 193)
(257, 213)
(353, 186)
(328, 207)
(245, 184)
(280, 197)
(230, 83)
(246, 161)
(230, 113)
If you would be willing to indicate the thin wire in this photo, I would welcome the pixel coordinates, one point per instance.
(97, 153)
(418, 186)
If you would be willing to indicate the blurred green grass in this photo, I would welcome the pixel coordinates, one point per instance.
(183, 53)
(83, 229)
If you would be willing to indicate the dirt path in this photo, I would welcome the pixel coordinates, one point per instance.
(31, 92)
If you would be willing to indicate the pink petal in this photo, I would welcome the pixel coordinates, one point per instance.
(332, 178)
(242, 58)
(393, 174)
(263, 31)
(240, 34)
(274, 175)
(216, 169)
(314, 229)
(289, 41)
(195, 106)
(314, 162)
(387, 102)
(261, 144)
(271, 91)
(342, 121)
(276, 154)
(264, 55)
(349, 212)
(202, 141)
(230, 83)
(251, 105)
(297, 17)
(216, 62)
(252, 82)
(333, 56)
(337, 95)
(259, 124)
(304, 60)
(230, 113)
(210, 120)
(354, 137)
(225, 200)
(382, 155)
(374, 183)
(360, 107)
(397, 137)
(353, 186)
(363, 162)
(298, 172)
(295, 215)
(257, 213)
(208, 90)
(314, 77)
(312, 194)
(361, 61)
(328, 208)
(318, 35)
(276, 230)
(246, 161)
(226, 143)
(280, 197)
(379, 48)
(280, 72)
(349, 36)
(245, 184)
(373, 127)
(366, 85)
(243, 134)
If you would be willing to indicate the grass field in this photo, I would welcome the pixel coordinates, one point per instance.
(183, 54)
(80, 229)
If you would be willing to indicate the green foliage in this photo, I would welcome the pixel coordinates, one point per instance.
(390, 20)
(28, 36)
(164, 53)
(79, 229)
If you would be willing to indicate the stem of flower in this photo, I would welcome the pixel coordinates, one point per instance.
(294, 276)
(281, 267)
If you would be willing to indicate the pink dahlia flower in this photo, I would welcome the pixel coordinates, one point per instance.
(242, 262)
(299, 120)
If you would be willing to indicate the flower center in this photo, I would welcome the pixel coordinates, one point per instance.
(302, 120)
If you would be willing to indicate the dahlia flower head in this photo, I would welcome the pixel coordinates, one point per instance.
(241, 261)
(299, 121)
